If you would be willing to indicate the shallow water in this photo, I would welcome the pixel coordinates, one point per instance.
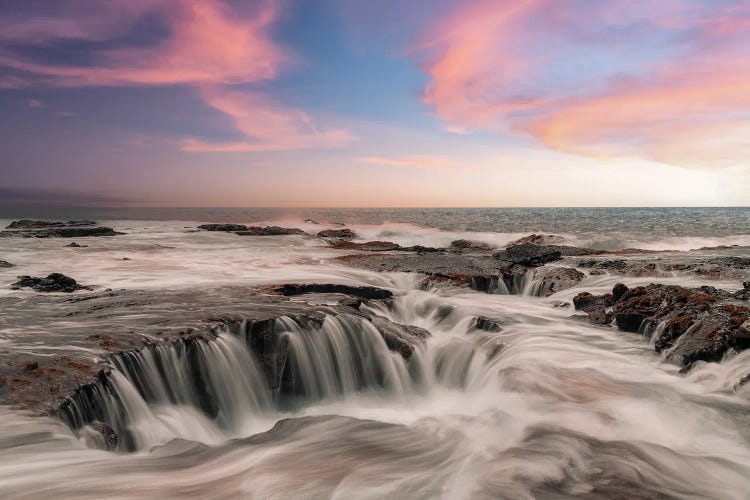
(549, 407)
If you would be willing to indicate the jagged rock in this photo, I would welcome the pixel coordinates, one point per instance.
(484, 323)
(743, 294)
(269, 231)
(61, 232)
(55, 282)
(595, 306)
(75, 245)
(421, 249)
(341, 234)
(469, 246)
(400, 338)
(43, 224)
(539, 239)
(694, 324)
(528, 254)
(4, 263)
(365, 292)
(310, 221)
(223, 227)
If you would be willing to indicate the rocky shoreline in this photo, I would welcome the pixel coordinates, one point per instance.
(86, 331)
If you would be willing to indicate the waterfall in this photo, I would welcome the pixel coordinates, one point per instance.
(343, 355)
(209, 390)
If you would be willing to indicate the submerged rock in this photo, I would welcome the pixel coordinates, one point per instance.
(223, 227)
(369, 246)
(75, 245)
(55, 282)
(61, 232)
(400, 338)
(469, 246)
(269, 231)
(4, 263)
(485, 324)
(341, 234)
(365, 292)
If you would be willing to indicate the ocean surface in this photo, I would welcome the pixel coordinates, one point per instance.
(548, 407)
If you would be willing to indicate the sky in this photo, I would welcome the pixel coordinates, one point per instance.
(303, 103)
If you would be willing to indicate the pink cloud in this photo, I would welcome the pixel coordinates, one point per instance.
(207, 43)
(267, 126)
(487, 62)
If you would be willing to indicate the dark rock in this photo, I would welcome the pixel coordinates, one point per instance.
(365, 292)
(61, 232)
(528, 254)
(484, 323)
(539, 239)
(310, 221)
(421, 249)
(269, 231)
(5, 264)
(42, 224)
(76, 245)
(691, 324)
(619, 290)
(595, 306)
(110, 439)
(342, 234)
(350, 302)
(550, 280)
(223, 227)
(28, 367)
(55, 282)
(400, 338)
(629, 322)
(369, 246)
(469, 245)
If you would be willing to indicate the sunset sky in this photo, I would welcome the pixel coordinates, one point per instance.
(375, 103)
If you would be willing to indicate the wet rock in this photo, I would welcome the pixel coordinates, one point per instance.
(223, 227)
(595, 306)
(55, 282)
(619, 290)
(539, 239)
(743, 294)
(528, 254)
(61, 232)
(75, 245)
(28, 367)
(108, 437)
(485, 324)
(43, 224)
(369, 246)
(469, 246)
(421, 249)
(400, 338)
(550, 280)
(350, 302)
(269, 231)
(690, 324)
(365, 292)
(341, 234)
(310, 221)
(4, 263)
